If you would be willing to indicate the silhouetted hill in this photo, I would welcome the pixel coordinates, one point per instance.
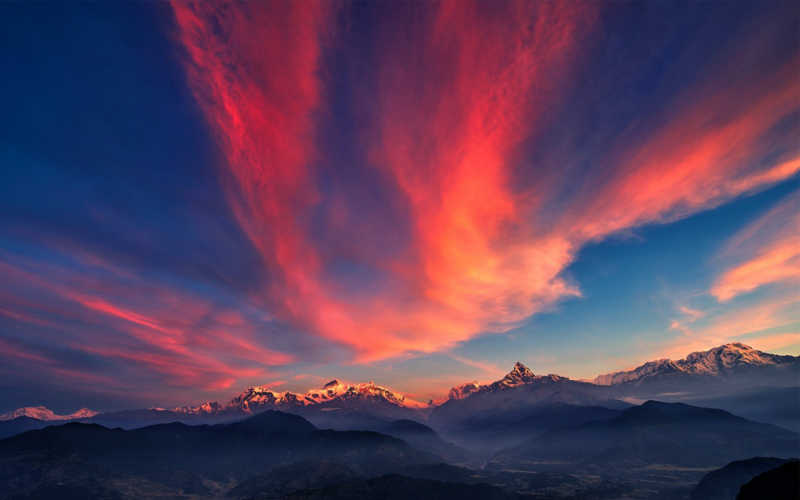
(509, 426)
(132, 419)
(772, 405)
(285, 479)
(415, 433)
(724, 483)
(186, 457)
(21, 424)
(658, 433)
(273, 422)
(781, 483)
(396, 487)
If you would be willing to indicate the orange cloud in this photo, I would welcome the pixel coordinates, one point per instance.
(753, 324)
(253, 69)
(460, 200)
(772, 246)
(459, 91)
(711, 149)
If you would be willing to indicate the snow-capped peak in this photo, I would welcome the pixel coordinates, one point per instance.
(715, 361)
(262, 397)
(518, 376)
(44, 413)
(727, 356)
(368, 390)
(464, 390)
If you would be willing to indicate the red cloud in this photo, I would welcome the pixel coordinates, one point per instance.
(711, 149)
(459, 90)
(487, 76)
(188, 341)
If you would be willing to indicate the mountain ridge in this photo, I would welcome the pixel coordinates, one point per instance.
(46, 414)
(258, 398)
(518, 376)
(715, 361)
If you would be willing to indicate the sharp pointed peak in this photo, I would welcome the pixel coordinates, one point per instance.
(520, 369)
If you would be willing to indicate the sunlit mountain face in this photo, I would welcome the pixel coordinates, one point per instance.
(362, 214)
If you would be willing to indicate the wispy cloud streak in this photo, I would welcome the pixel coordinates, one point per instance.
(461, 93)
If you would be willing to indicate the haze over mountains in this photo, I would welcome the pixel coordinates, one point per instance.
(524, 434)
(716, 373)
(655, 432)
(279, 455)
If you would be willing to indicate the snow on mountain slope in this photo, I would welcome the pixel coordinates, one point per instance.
(717, 361)
(259, 398)
(44, 413)
(464, 390)
(518, 376)
(720, 363)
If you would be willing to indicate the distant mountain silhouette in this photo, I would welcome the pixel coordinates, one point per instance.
(773, 405)
(518, 406)
(132, 419)
(423, 438)
(780, 483)
(493, 430)
(186, 457)
(658, 433)
(734, 377)
(415, 433)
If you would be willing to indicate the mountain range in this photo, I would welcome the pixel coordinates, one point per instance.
(332, 393)
(723, 360)
(733, 377)
(281, 455)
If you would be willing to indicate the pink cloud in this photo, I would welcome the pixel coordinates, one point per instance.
(769, 252)
(187, 340)
(457, 97)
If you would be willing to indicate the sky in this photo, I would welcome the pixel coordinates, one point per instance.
(200, 197)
